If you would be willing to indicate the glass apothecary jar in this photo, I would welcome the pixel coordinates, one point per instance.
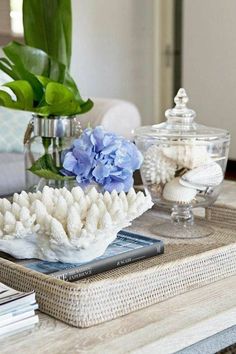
(46, 140)
(183, 167)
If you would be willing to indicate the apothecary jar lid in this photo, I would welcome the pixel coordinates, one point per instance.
(180, 124)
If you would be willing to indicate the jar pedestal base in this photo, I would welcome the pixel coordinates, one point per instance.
(183, 231)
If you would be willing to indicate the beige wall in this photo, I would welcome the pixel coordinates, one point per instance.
(209, 62)
(118, 52)
(113, 50)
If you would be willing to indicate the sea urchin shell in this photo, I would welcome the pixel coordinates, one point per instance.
(156, 167)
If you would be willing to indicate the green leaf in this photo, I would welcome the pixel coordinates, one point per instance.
(86, 106)
(34, 60)
(6, 101)
(40, 64)
(69, 109)
(38, 90)
(13, 53)
(59, 100)
(47, 174)
(8, 70)
(70, 83)
(45, 162)
(24, 93)
(45, 167)
(45, 75)
(57, 93)
(44, 80)
(48, 26)
(6, 62)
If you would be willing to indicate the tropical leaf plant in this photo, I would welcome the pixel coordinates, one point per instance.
(44, 59)
(48, 26)
(46, 76)
(40, 71)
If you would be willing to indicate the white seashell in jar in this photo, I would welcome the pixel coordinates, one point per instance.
(187, 154)
(156, 167)
(66, 226)
(175, 192)
(203, 177)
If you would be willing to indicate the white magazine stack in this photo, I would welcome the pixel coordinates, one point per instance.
(17, 310)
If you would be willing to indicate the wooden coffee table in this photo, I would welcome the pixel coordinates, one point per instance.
(165, 328)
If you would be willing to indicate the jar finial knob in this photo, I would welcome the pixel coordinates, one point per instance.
(181, 99)
(181, 110)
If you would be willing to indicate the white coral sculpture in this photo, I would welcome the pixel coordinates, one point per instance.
(58, 225)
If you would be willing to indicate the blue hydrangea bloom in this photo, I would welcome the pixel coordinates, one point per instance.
(102, 157)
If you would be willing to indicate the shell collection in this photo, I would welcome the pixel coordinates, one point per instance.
(58, 225)
(183, 169)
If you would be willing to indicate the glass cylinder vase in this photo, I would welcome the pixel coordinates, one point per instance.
(46, 141)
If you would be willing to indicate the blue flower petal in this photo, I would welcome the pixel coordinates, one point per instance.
(69, 162)
(109, 186)
(101, 171)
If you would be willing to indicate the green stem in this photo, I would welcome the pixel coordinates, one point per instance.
(46, 143)
(54, 151)
(60, 140)
(55, 158)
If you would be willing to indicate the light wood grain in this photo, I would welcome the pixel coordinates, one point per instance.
(163, 328)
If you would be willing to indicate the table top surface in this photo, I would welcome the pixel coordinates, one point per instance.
(166, 327)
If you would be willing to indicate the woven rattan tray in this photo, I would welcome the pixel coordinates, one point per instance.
(223, 211)
(184, 266)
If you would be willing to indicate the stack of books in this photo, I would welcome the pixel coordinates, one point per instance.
(17, 310)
